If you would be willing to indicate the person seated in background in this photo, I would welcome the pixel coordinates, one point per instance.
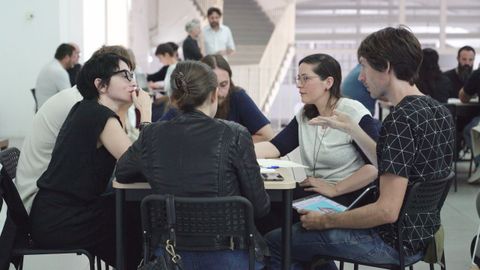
(335, 165)
(38, 144)
(459, 75)
(352, 88)
(471, 88)
(431, 81)
(191, 51)
(216, 157)
(167, 54)
(53, 77)
(70, 210)
(234, 104)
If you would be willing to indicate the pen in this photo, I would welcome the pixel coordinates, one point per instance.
(273, 167)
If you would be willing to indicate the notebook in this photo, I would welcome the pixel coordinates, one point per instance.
(326, 205)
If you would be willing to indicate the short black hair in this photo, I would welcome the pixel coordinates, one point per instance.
(64, 50)
(212, 10)
(101, 66)
(465, 48)
(166, 48)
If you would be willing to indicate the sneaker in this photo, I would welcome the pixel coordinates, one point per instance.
(475, 177)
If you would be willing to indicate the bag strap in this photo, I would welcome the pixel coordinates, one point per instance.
(171, 219)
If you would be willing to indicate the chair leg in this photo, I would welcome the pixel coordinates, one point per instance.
(470, 168)
(355, 266)
(444, 267)
(341, 265)
(432, 266)
(410, 267)
(99, 263)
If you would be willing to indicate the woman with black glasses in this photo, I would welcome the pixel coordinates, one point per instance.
(70, 210)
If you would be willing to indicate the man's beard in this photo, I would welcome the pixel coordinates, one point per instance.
(464, 72)
(213, 24)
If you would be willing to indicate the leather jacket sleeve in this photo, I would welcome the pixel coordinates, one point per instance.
(251, 182)
(129, 166)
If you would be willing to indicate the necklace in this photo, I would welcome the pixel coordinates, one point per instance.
(316, 150)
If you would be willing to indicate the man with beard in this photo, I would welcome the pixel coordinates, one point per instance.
(217, 37)
(459, 75)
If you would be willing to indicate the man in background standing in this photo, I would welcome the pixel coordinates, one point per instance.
(54, 77)
(217, 37)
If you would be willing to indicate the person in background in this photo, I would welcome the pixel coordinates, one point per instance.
(71, 209)
(234, 104)
(38, 144)
(459, 75)
(167, 54)
(431, 81)
(416, 144)
(471, 88)
(216, 158)
(191, 51)
(54, 77)
(218, 38)
(353, 88)
(73, 71)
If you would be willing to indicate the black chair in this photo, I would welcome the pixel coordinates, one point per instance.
(224, 220)
(422, 197)
(34, 99)
(456, 155)
(24, 244)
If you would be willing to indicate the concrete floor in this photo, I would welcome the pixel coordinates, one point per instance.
(459, 218)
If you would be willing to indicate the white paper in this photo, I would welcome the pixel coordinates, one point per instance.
(278, 163)
(266, 170)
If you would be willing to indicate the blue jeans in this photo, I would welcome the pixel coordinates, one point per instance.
(467, 135)
(214, 260)
(362, 245)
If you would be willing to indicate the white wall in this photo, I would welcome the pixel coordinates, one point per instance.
(31, 31)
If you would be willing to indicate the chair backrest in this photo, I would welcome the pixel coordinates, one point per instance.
(422, 197)
(34, 98)
(217, 218)
(9, 160)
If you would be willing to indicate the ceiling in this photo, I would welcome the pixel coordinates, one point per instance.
(339, 26)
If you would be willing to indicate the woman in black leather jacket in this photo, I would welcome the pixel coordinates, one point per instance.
(195, 155)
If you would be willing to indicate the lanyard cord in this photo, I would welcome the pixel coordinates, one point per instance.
(315, 150)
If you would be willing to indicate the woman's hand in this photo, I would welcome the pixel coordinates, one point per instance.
(143, 103)
(339, 120)
(319, 185)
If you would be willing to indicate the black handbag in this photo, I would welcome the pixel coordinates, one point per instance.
(169, 260)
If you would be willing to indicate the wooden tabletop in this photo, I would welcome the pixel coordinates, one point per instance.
(287, 183)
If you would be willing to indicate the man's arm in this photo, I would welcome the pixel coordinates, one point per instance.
(385, 210)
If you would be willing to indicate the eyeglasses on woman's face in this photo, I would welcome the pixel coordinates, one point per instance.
(127, 74)
(302, 79)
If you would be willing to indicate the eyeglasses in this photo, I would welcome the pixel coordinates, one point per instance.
(127, 74)
(301, 80)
